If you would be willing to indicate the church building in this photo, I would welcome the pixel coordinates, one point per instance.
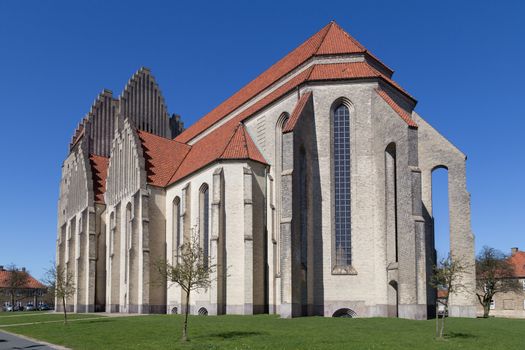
(310, 189)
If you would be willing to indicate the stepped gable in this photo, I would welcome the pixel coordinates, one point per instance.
(329, 41)
(142, 102)
(98, 124)
(99, 171)
(162, 156)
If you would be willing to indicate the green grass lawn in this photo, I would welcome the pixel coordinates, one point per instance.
(271, 332)
(20, 318)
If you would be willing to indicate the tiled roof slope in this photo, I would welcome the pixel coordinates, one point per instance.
(241, 146)
(518, 261)
(162, 156)
(230, 141)
(208, 149)
(297, 111)
(99, 171)
(31, 281)
(330, 40)
(400, 111)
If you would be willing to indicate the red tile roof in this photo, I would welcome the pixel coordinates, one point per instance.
(241, 146)
(400, 111)
(518, 260)
(297, 111)
(442, 293)
(208, 148)
(162, 156)
(168, 161)
(99, 171)
(330, 40)
(229, 141)
(31, 283)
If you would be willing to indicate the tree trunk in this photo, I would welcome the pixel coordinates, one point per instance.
(486, 309)
(186, 312)
(12, 301)
(64, 308)
(437, 319)
(443, 321)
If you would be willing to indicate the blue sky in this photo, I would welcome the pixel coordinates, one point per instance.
(463, 61)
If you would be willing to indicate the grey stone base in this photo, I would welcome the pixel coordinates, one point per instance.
(290, 310)
(100, 307)
(413, 311)
(462, 311)
(157, 309)
(382, 310)
(243, 309)
(82, 308)
(138, 309)
(114, 308)
(358, 306)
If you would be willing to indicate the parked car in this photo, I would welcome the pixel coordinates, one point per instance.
(30, 307)
(44, 307)
(9, 308)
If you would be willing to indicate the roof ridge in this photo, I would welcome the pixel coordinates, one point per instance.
(229, 140)
(399, 110)
(330, 26)
(354, 40)
(180, 163)
(297, 111)
(245, 142)
(162, 137)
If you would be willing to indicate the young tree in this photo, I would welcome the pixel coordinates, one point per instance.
(191, 270)
(61, 283)
(447, 276)
(494, 274)
(16, 280)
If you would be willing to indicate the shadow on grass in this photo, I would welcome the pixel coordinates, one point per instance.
(234, 335)
(99, 321)
(460, 335)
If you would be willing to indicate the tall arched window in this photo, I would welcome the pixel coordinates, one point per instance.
(127, 240)
(112, 227)
(278, 168)
(176, 239)
(391, 203)
(341, 178)
(204, 217)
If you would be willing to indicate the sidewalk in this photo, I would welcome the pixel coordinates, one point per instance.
(10, 341)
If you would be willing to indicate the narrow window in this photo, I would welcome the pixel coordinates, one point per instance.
(112, 233)
(391, 202)
(278, 168)
(127, 241)
(204, 221)
(176, 228)
(341, 171)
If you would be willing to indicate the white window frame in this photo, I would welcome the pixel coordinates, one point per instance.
(493, 304)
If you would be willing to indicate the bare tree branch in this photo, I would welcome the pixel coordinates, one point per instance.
(191, 270)
(447, 276)
(62, 283)
(494, 274)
